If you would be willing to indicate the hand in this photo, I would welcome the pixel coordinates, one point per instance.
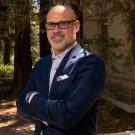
(45, 123)
(30, 95)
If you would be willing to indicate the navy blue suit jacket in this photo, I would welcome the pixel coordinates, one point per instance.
(70, 106)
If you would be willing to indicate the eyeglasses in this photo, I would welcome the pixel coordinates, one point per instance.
(61, 25)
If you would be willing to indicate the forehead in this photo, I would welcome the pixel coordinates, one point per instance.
(60, 13)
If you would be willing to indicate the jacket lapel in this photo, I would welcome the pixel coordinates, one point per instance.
(59, 70)
(76, 53)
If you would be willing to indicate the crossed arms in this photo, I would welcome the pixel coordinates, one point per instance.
(85, 90)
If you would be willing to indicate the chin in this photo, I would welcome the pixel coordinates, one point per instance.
(59, 46)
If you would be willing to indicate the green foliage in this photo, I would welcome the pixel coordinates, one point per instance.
(6, 71)
(9, 14)
(105, 44)
(34, 41)
(1, 51)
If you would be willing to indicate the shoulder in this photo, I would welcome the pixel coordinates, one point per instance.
(91, 65)
(41, 64)
(91, 58)
(42, 61)
(91, 62)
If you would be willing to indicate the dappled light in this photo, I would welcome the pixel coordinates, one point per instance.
(10, 123)
(130, 132)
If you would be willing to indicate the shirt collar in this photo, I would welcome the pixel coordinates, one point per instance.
(61, 55)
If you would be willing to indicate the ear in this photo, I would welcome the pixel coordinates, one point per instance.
(77, 25)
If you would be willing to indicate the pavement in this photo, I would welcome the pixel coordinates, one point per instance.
(11, 124)
(14, 132)
(122, 133)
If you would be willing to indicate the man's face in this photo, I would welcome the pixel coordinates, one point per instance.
(65, 36)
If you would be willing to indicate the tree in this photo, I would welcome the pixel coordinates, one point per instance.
(4, 31)
(44, 44)
(22, 58)
(7, 46)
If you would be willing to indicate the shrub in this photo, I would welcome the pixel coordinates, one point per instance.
(6, 71)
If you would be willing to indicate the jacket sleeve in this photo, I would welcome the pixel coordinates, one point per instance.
(85, 89)
(23, 109)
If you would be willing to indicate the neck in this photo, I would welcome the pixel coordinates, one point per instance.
(57, 52)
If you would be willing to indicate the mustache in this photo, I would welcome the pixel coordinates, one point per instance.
(58, 34)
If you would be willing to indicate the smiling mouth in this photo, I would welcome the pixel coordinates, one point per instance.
(58, 38)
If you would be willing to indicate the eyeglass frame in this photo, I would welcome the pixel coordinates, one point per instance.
(58, 24)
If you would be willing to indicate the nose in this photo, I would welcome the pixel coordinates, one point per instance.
(56, 28)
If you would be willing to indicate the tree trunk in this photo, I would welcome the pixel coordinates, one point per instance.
(7, 47)
(44, 44)
(22, 60)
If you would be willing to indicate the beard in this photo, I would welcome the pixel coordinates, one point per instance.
(59, 42)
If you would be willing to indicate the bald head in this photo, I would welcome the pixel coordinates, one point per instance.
(61, 10)
(61, 26)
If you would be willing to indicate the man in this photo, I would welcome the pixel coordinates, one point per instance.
(63, 90)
